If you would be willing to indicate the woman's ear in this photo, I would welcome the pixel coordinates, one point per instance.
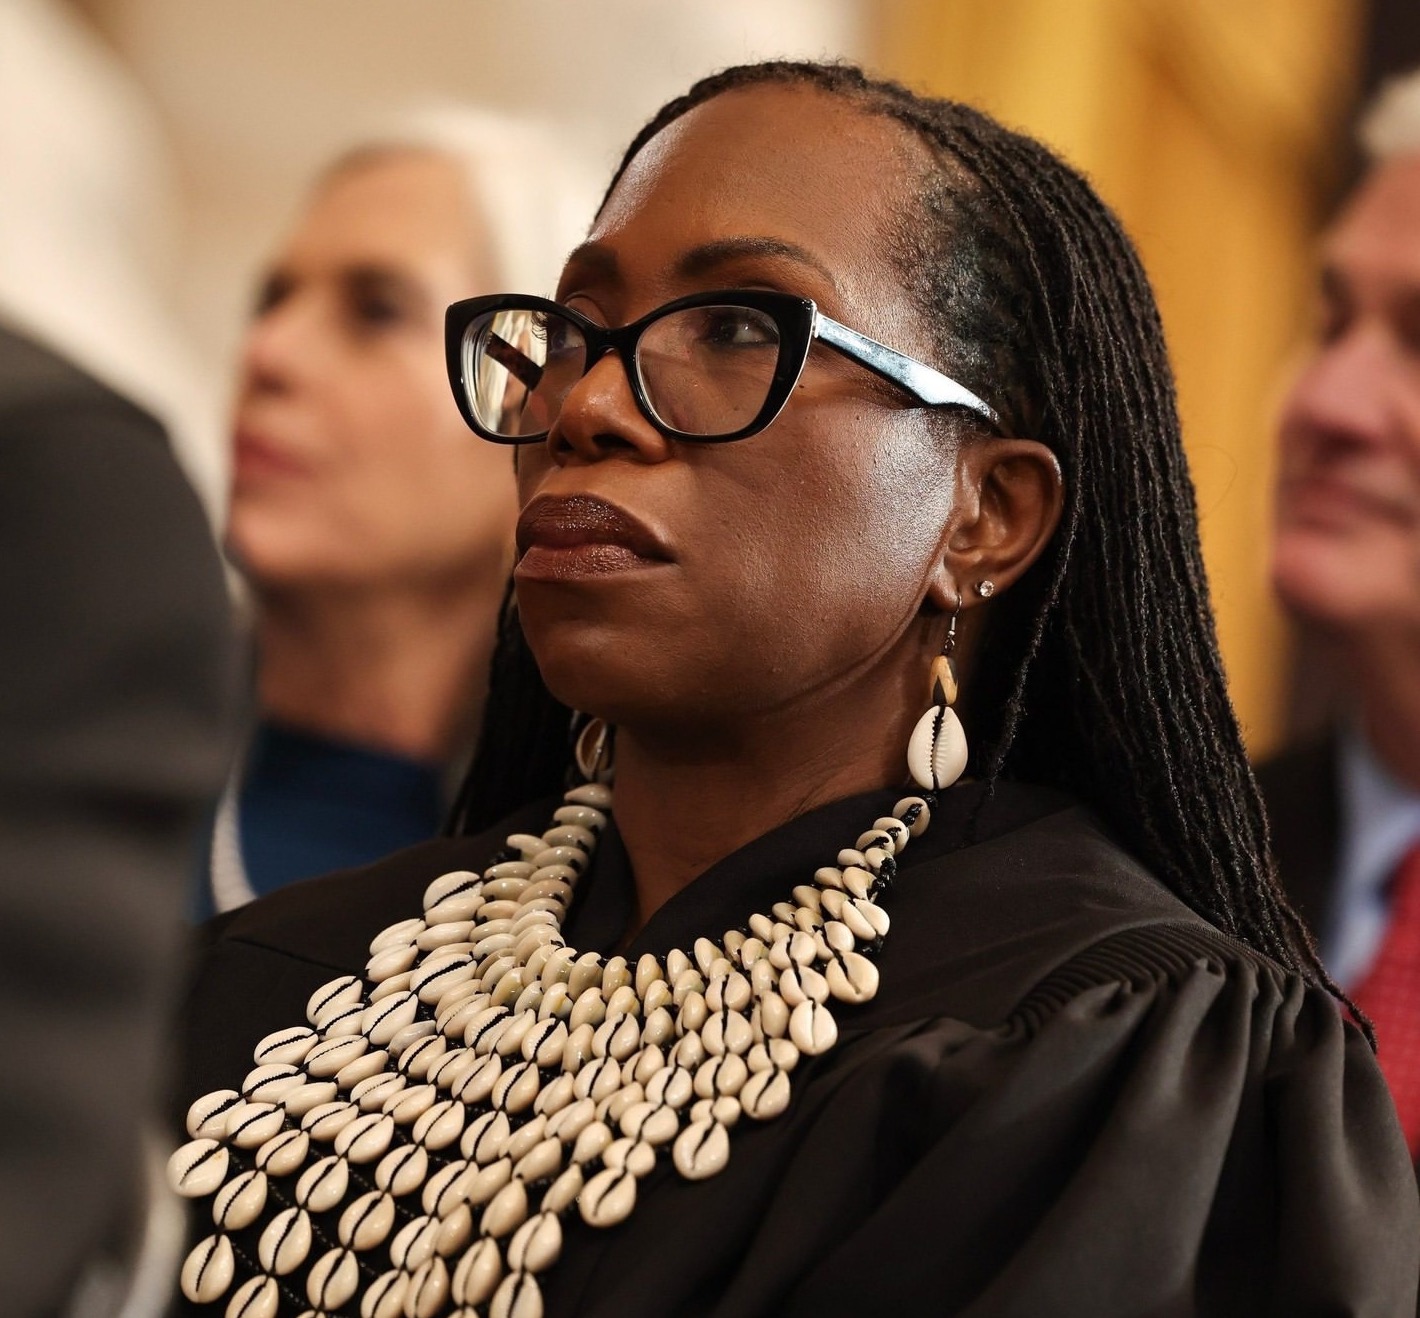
(1009, 497)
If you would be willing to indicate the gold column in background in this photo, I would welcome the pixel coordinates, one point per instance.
(1210, 126)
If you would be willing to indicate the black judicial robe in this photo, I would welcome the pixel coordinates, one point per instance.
(1071, 1095)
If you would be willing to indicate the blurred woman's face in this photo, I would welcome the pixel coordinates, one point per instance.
(707, 582)
(351, 465)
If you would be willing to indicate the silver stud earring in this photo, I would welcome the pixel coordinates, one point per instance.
(986, 589)
(937, 751)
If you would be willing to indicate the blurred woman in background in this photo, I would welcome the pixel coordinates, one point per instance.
(374, 534)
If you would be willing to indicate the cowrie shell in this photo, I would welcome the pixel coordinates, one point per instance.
(486, 1138)
(572, 1120)
(562, 1193)
(328, 1056)
(239, 1203)
(362, 1068)
(285, 1045)
(254, 1123)
(384, 1019)
(418, 1058)
(455, 1229)
(297, 1102)
(408, 1105)
(366, 1222)
(285, 1242)
(283, 1153)
(608, 1197)
(476, 1084)
(208, 1270)
(414, 1242)
(267, 1083)
(323, 1185)
(477, 1273)
(332, 1279)
(365, 1138)
(539, 1163)
(445, 1189)
(207, 1117)
(257, 1298)
(487, 1181)
(629, 1155)
(721, 1075)
(851, 977)
(702, 1149)
(506, 1211)
(372, 1093)
(402, 1170)
(519, 1296)
(812, 1028)
(555, 1095)
(397, 935)
(923, 814)
(338, 992)
(671, 1086)
(440, 1126)
(536, 1244)
(326, 1120)
(591, 1142)
(765, 1094)
(428, 1289)
(456, 883)
(384, 1297)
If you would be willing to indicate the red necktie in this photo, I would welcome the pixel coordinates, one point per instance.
(1390, 996)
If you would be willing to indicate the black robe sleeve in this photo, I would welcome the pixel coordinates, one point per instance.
(1184, 1135)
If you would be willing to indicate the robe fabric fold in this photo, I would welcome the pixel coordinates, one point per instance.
(1070, 1096)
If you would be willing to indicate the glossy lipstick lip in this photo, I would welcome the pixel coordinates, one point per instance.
(576, 522)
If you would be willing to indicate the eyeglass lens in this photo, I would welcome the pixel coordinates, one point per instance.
(702, 370)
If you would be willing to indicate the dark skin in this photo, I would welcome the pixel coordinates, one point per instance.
(774, 657)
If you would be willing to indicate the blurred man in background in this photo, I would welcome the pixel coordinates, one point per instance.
(1346, 564)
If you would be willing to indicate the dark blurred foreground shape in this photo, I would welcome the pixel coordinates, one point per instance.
(117, 702)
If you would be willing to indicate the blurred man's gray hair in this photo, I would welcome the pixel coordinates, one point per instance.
(1390, 125)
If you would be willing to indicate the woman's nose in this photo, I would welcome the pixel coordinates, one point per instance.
(279, 347)
(600, 419)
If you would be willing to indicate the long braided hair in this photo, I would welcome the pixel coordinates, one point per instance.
(1100, 673)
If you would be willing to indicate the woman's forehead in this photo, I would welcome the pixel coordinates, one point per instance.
(790, 164)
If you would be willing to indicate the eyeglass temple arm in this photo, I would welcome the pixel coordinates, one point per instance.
(925, 384)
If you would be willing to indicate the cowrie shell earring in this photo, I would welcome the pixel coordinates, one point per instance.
(937, 751)
(595, 751)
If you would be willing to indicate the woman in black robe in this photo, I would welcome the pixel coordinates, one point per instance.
(1093, 1066)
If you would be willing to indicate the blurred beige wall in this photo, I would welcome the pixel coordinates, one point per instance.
(256, 95)
(1210, 126)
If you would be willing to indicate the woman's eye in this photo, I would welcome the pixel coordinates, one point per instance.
(376, 312)
(555, 333)
(736, 328)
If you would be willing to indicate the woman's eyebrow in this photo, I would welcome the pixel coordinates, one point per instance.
(593, 259)
(705, 258)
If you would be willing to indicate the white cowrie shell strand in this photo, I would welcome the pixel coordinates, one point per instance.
(497, 1079)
